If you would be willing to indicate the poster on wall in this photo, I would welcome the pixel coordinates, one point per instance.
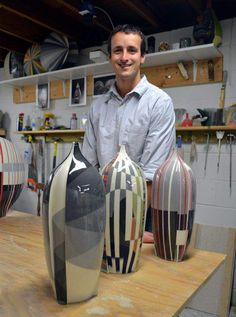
(102, 83)
(42, 96)
(78, 92)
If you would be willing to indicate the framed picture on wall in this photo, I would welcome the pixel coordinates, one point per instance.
(43, 96)
(78, 92)
(102, 83)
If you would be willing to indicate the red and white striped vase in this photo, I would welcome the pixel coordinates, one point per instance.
(173, 208)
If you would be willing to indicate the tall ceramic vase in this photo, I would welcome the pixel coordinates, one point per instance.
(173, 207)
(12, 175)
(125, 214)
(74, 225)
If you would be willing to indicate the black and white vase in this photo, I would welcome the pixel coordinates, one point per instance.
(74, 225)
(126, 206)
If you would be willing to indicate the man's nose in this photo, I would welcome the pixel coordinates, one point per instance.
(124, 55)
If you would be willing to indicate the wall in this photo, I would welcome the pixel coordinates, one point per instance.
(215, 204)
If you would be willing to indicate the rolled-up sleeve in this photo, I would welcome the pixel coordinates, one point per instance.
(160, 139)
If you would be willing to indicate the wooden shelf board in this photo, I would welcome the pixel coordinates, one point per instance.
(207, 128)
(47, 132)
(2, 132)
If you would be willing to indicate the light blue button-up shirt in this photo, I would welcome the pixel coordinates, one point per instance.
(143, 120)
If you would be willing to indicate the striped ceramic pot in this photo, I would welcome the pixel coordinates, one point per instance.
(126, 194)
(74, 225)
(12, 175)
(173, 207)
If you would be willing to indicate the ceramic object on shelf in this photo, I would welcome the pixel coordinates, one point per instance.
(173, 207)
(32, 63)
(126, 200)
(74, 225)
(12, 175)
(54, 51)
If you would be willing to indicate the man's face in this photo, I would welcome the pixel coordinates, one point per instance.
(126, 55)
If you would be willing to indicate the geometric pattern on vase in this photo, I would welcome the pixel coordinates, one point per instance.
(126, 206)
(173, 208)
(11, 175)
(32, 63)
(74, 225)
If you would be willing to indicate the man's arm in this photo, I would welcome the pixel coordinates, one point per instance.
(89, 147)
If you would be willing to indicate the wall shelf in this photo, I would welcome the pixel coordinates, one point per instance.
(199, 134)
(207, 51)
(56, 135)
(186, 132)
(2, 132)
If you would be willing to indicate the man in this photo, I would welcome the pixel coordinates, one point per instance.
(133, 112)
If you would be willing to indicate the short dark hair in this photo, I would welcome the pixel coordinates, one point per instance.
(127, 29)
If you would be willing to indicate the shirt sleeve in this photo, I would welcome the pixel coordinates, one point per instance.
(160, 139)
(89, 147)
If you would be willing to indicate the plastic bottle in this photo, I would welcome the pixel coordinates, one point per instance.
(20, 121)
(187, 122)
(73, 122)
(180, 149)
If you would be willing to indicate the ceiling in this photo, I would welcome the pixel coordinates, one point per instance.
(25, 22)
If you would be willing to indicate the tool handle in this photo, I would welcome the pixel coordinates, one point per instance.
(222, 98)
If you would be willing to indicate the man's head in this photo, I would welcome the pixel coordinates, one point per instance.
(127, 29)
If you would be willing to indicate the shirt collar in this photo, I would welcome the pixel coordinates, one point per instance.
(139, 89)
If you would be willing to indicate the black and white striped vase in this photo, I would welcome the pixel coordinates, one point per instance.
(12, 175)
(74, 225)
(173, 207)
(126, 205)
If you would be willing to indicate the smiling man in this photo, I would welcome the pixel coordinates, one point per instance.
(133, 112)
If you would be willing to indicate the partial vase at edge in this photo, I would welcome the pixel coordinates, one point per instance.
(74, 225)
(173, 208)
(126, 200)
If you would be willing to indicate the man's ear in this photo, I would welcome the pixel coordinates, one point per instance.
(142, 59)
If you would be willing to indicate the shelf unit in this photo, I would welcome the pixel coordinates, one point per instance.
(55, 135)
(2, 132)
(77, 135)
(201, 52)
(199, 133)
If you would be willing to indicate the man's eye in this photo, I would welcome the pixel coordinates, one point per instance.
(132, 50)
(117, 51)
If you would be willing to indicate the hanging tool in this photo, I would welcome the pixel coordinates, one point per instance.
(193, 149)
(56, 140)
(219, 135)
(32, 170)
(219, 112)
(207, 149)
(54, 155)
(195, 61)
(230, 140)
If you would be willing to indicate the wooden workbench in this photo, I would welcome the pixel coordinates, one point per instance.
(158, 288)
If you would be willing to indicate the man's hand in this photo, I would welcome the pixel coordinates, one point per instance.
(148, 237)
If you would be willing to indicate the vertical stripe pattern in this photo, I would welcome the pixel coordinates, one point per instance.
(125, 214)
(173, 208)
(12, 175)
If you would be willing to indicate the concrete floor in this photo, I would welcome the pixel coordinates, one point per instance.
(187, 312)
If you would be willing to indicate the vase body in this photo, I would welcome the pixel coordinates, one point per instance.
(173, 208)
(12, 175)
(126, 202)
(74, 225)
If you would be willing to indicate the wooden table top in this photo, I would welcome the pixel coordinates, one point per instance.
(158, 288)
